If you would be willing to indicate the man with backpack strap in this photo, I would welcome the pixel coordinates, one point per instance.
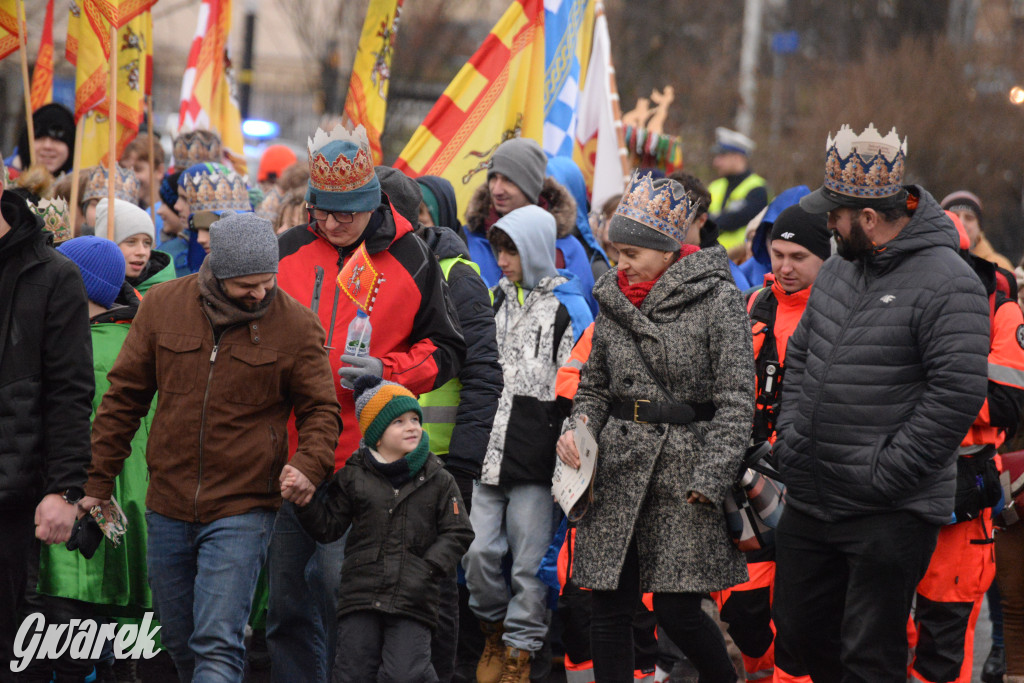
(798, 245)
(962, 567)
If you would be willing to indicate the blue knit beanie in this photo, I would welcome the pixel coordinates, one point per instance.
(102, 266)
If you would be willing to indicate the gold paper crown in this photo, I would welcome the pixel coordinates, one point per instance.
(56, 217)
(216, 192)
(340, 173)
(658, 208)
(126, 185)
(865, 166)
(195, 147)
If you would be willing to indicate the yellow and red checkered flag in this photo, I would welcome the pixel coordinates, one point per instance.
(207, 102)
(134, 42)
(367, 98)
(42, 74)
(497, 95)
(9, 39)
(88, 48)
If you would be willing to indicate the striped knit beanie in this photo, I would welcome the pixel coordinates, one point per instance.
(378, 402)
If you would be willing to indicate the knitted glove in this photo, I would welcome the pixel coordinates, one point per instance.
(357, 367)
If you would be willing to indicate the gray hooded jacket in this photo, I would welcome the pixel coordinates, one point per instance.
(533, 231)
(526, 426)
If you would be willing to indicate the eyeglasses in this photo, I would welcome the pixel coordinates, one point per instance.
(320, 216)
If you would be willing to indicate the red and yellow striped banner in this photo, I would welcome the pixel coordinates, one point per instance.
(42, 75)
(497, 95)
(206, 99)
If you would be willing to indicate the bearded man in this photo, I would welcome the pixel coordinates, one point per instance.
(885, 373)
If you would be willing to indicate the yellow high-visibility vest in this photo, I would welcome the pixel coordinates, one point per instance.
(441, 405)
(719, 204)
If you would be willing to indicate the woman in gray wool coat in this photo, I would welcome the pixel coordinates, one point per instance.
(672, 426)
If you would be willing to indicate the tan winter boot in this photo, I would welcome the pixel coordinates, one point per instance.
(488, 669)
(517, 666)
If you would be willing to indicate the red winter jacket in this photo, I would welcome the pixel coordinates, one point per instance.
(415, 330)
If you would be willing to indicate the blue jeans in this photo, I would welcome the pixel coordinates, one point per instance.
(517, 518)
(302, 623)
(203, 577)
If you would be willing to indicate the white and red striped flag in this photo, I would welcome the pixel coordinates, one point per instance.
(207, 102)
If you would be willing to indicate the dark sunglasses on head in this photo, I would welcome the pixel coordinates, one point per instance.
(55, 133)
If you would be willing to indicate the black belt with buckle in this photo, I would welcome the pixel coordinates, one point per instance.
(645, 411)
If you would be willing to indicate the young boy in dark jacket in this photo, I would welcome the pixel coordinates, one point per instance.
(409, 529)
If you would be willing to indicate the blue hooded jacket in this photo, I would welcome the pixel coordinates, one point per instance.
(566, 172)
(760, 264)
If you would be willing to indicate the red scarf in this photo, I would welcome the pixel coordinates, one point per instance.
(638, 292)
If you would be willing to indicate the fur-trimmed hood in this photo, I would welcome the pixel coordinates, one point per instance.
(553, 196)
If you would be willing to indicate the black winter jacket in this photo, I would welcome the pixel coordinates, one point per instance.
(402, 541)
(46, 376)
(481, 375)
(884, 375)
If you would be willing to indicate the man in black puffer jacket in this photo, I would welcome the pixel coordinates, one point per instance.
(46, 387)
(884, 375)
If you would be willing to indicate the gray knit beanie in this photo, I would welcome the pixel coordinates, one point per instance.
(242, 244)
(522, 161)
(625, 230)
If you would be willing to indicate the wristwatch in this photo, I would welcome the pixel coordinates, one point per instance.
(73, 495)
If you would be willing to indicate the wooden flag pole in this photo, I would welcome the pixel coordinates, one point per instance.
(23, 40)
(77, 162)
(112, 120)
(153, 180)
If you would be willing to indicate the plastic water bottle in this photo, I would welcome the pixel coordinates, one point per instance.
(359, 330)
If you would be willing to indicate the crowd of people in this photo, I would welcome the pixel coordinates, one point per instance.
(311, 423)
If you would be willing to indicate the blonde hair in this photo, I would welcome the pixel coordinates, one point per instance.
(295, 198)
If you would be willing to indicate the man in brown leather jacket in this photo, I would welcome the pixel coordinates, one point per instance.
(231, 356)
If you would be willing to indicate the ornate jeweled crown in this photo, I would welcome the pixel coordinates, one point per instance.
(126, 185)
(339, 173)
(195, 147)
(270, 204)
(56, 217)
(866, 166)
(659, 208)
(216, 191)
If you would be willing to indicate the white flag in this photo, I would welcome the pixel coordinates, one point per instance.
(600, 143)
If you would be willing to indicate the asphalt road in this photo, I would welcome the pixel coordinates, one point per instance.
(158, 671)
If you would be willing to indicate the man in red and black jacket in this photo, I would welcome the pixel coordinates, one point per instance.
(355, 255)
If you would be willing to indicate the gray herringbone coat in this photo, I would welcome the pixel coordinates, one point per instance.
(695, 334)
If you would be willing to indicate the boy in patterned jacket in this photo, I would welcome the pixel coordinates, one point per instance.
(539, 312)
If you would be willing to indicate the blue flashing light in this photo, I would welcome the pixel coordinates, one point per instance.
(259, 129)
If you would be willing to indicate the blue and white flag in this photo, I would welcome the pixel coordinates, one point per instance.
(564, 24)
